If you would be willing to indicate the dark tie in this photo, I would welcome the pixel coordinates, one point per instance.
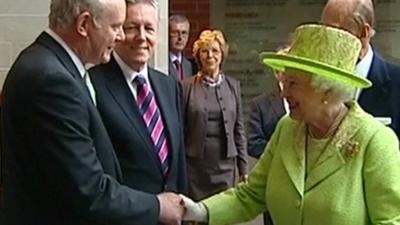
(152, 117)
(179, 70)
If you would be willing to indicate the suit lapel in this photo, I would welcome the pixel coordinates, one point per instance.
(122, 95)
(379, 76)
(277, 105)
(333, 157)
(46, 40)
(378, 72)
(171, 69)
(187, 67)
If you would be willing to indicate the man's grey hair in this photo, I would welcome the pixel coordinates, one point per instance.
(341, 91)
(178, 18)
(153, 3)
(64, 12)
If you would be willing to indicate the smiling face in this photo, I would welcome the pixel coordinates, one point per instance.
(103, 35)
(305, 102)
(140, 28)
(210, 56)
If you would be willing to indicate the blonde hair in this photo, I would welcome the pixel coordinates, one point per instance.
(207, 36)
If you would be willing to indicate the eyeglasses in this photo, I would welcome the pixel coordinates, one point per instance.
(179, 33)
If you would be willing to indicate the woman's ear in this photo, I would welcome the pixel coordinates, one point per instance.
(328, 96)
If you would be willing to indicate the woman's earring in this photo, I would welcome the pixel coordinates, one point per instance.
(325, 102)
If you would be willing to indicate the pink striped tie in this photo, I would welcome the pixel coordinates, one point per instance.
(152, 117)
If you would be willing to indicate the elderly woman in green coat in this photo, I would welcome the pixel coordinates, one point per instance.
(329, 162)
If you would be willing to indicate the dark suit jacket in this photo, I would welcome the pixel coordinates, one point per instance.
(196, 121)
(382, 98)
(265, 112)
(136, 152)
(188, 68)
(60, 166)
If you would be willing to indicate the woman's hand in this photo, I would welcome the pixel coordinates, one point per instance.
(194, 211)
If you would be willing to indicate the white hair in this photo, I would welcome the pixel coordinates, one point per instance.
(342, 91)
(64, 12)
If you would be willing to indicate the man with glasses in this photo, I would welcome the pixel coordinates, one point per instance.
(179, 66)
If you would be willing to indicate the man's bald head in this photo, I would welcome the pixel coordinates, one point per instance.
(355, 16)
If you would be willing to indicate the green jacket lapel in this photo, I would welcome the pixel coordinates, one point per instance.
(293, 155)
(333, 158)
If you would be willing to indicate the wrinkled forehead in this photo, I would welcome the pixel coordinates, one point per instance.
(179, 26)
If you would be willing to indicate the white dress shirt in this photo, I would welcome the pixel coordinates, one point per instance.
(174, 57)
(130, 74)
(363, 67)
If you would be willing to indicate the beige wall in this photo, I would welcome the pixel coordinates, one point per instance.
(21, 21)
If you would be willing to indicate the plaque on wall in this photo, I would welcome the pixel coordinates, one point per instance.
(253, 26)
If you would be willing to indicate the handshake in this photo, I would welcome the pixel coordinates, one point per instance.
(176, 208)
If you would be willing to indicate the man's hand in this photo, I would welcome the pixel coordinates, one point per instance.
(171, 208)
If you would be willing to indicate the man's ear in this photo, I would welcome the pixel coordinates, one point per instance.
(83, 22)
(367, 31)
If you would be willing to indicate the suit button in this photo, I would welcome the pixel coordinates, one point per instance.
(220, 98)
(298, 204)
(223, 109)
(225, 121)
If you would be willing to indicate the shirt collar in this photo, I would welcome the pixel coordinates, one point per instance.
(363, 67)
(128, 72)
(174, 57)
(75, 59)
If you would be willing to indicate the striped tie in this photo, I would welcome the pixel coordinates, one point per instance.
(152, 117)
(179, 70)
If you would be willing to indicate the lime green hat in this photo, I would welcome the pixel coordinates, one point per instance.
(321, 50)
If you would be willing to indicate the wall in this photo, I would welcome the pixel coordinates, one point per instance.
(21, 21)
(198, 13)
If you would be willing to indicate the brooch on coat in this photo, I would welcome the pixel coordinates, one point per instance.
(351, 148)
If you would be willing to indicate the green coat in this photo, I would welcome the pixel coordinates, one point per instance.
(356, 180)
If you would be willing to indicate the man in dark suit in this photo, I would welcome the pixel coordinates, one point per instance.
(357, 17)
(131, 129)
(265, 112)
(60, 166)
(179, 30)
